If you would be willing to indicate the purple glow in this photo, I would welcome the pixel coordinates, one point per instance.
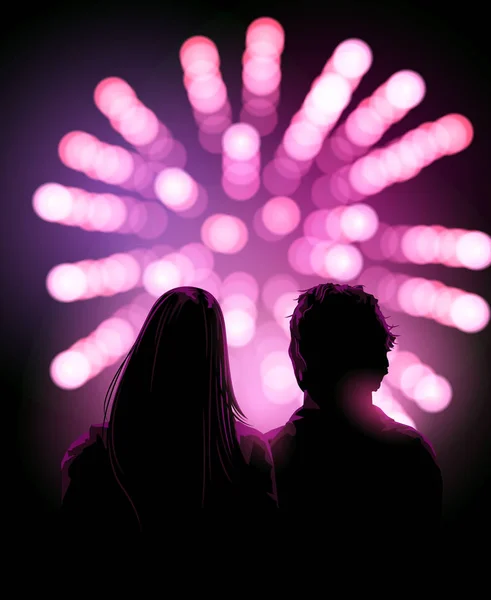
(336, 232)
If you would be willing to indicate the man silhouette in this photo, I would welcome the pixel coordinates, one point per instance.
(340, 460)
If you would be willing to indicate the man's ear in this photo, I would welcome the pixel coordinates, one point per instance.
(298, 362)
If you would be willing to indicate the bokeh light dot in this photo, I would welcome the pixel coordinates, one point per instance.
(433, 393)
(241, 142)
(473, 250)
(224, 234)
(240, 327)
(470, 313)
(176, 189)
(281, 215)
(66, 282)
(359, 222)
(405, 89)
(344, 262)
(352, 58)
(52, 202)
(70, 369)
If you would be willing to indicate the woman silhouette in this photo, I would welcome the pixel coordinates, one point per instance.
(170, 444)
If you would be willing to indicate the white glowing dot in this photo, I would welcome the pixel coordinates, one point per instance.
(433, 393)
(161, 276)
(473, 250)
(241, 142)
(70, 370)
(470, 313)
(66, 282)
(52, 202)
(240, 327)
(352, 58)
(405, 89)
(176, 189)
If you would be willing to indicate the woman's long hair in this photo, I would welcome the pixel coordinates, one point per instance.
(173, 396)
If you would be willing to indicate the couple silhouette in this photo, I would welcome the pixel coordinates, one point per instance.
(175, 438)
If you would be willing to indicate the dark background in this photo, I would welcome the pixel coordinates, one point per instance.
(47, 51)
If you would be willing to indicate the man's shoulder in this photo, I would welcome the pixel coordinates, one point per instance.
(413, 444)
(391, 432)
(285, 434)
(282, 440)
(405, 435)
(286, 431)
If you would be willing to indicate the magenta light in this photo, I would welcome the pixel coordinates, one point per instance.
(265, 37)
(176, 189)
(281, 215)
(224, 234)
(241, 142)
(335, 241)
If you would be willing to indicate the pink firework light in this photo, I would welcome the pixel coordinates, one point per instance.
(388, 105)
(333, 243)
(76, 207)
(435, 244)
(403, 159)
(206, 90)
(329, 95)
(261, 74)
(241, 161)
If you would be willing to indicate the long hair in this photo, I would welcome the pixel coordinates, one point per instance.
(173, 395)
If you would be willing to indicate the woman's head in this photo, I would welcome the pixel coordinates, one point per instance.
(182, 340)
(174, 387)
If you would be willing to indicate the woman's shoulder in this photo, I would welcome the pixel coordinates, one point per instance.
(257, 486)
(94, 438)
(253, 444)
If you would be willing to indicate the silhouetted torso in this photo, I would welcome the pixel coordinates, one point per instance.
(342, 475)
(93, 501)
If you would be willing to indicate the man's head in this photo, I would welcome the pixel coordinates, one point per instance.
(339, 336)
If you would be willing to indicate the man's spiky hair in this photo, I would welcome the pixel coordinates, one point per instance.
(318, 297)
(336, 324)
